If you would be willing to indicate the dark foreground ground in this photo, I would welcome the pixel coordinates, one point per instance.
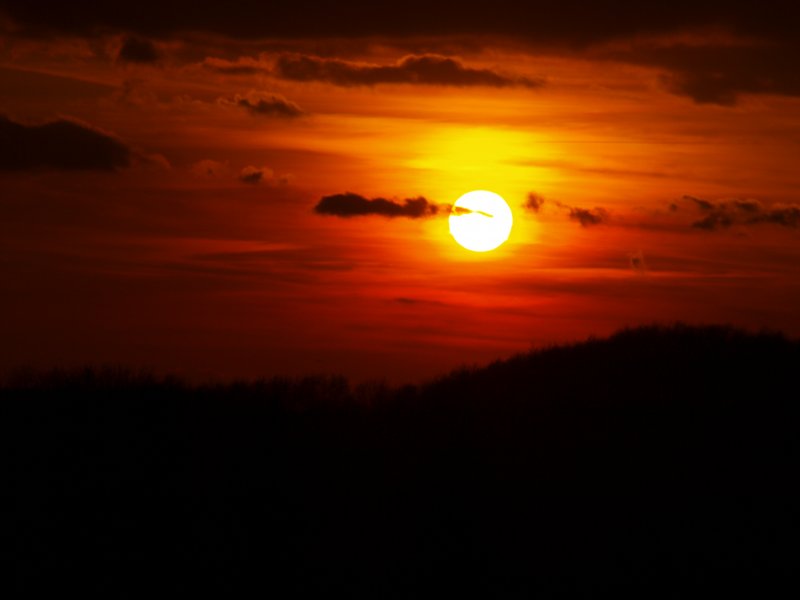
(658, 463)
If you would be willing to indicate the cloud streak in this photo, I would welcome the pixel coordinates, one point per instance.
(253, 175)
(261, 175)
(585, 216)
(426, 69)
(138, 50)
(702, 214)
(60, 144)
(534, 202)
(588, 217)
(260, 104)
(242, 66)
(722, 215)
(353, 205)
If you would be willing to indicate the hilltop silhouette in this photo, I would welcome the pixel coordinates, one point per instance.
(657, 463)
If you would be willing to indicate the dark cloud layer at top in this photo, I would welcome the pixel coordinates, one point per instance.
(706, 72)
(424, 69)
(59, 145)
(354, 205)
(138, 50)
(571, 22)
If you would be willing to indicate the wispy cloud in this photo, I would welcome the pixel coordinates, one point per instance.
(587, 217)
(262, 104)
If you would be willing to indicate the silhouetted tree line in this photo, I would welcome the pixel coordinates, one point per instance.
(657, 463)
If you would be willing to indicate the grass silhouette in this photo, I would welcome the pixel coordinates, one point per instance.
(657, 463)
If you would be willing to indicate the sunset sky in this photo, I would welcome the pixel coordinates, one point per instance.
(162, 167)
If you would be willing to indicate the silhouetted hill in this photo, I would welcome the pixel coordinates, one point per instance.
(657, 463)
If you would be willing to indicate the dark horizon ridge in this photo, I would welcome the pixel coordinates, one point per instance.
(655, 463)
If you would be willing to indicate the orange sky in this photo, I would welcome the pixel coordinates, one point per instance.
(171, 223)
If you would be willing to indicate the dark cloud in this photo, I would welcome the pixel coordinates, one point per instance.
(534, 202)
(60, 144)
(431, 69)
(747, 206)
(786, 215)
(267, 105)
(701, 204)
(699, 213)
(242, 66)
(138, 50)
(637, 262)
(588, 217)
(210, 168)
(253, 175)
(722, 215)
(737, 72)
(719, 70)
(713, 221)
(353, 205)
(703, 88)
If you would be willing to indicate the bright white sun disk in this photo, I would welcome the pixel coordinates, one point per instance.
(480, 221)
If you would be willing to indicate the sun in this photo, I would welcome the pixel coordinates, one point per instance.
(480, 221)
